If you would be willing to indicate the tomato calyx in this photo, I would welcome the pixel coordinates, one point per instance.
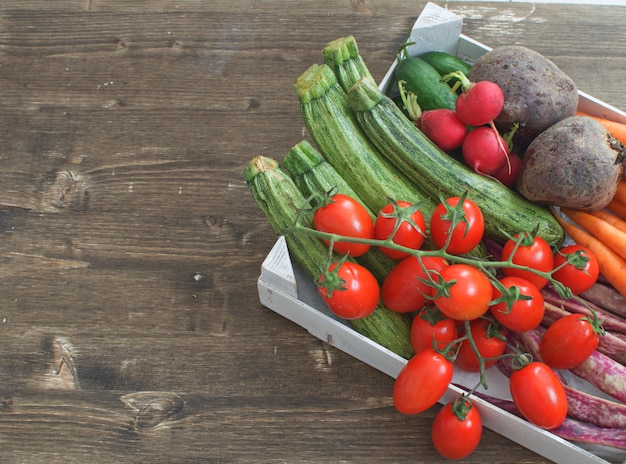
(329, 277)
(595, 322)
(520, 360)
(461, 406)
(455, 214)
(431, 314)
(508, 296)
(403, 214)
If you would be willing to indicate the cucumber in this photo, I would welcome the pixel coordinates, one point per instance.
(342, 56)
(505, 211)
(425, 82)
(445, 63)
(324, 107)
(313, 175)
(279, 198)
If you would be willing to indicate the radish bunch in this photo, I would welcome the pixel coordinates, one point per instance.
(470, 127)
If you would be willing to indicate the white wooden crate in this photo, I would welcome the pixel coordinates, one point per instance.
(284, 288)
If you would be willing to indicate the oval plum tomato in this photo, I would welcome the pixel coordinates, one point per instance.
(490, 342)
(411, 230)
(350, 290)
(533, 252)
(480, 103)
(403, 290)
(430, 326)
(443, 127)
(469, 229)
(569, 341)
(466, 292)
(422, 382)
(527, 306)
(457, 429)
(578, 272)
(539, 395)
(343, 215)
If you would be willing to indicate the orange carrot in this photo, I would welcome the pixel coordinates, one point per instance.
(618, 208)
(612, 237)
(612, 266)
(612, 219)
(620, 193)
(617, 129)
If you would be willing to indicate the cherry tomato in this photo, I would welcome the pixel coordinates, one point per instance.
(345, 216)
(429, 326)
(410, 233)
(422, 382)
(351, 291)
(469, 294)
(490, 342)
(533, 252)
(402, 290)
(467, 233)
(569, 341)
(578, 276)
(457, 429)
(539, 395)
(524, 314)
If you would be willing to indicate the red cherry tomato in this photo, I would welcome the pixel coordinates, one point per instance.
(569, 341)
(456, 435)
(467, 233)
(402, 290)
(579, 276)
(533, 252)
(524, 314)
(429, 326)
(345, 216)
(468, 297)
(422, 382)
(407, 234)
(490, 342)
(539, 395)
(351, 292)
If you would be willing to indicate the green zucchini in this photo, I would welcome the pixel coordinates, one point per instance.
(445, 63)
(313, 175)
(425, 82)
(324, 107)
(279, 198)
(505, 211)
(342, 56)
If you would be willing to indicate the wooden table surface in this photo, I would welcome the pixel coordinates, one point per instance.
(130, 325)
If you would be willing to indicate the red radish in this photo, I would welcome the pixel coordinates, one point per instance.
(485, 150)
(443, 127)
(507, 175)
(480, 102)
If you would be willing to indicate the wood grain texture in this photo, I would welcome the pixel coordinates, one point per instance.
(130, 325)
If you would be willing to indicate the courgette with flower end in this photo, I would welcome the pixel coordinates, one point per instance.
(324, 107)
(505, 211)
(314, 176)
(342, 56)
(281, 201)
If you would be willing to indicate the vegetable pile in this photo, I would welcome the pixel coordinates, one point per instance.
(408, 216)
